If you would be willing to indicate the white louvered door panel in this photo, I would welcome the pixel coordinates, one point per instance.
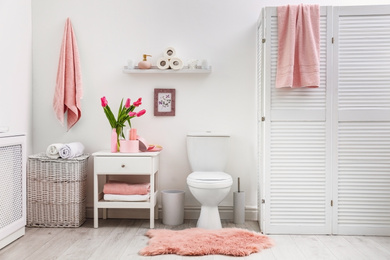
(362, 125)
(297, 145)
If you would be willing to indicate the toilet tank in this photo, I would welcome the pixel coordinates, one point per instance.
(208, 151)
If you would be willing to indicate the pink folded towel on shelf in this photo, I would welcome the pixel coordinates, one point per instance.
(298, 46)
(122, 188)
(68, 90)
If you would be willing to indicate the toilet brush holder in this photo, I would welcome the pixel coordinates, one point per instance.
(239, 207)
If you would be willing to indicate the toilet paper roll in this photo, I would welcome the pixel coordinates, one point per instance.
(176, 64)
(169, 53)
(239, 207)
(163, 63)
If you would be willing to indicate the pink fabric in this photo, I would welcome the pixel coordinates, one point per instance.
(68, 91)
(298, 46)
(122, 188)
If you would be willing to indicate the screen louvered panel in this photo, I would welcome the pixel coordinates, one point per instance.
(297, 147)
(298, 98)
(11, 199)
(363, 126)
(364, 175)
(364, 61)
(298, 173)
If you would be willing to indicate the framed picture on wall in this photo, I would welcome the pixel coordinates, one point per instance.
(164, 101)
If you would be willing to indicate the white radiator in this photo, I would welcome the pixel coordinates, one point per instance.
(13, 187)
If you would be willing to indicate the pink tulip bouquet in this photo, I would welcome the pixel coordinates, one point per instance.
(125, 113)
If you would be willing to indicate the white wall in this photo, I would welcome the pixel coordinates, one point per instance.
(15, 66)
(110, 32)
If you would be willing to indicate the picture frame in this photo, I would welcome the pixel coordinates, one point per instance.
(164, 101)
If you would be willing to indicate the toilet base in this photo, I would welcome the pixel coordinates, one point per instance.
(209, 218)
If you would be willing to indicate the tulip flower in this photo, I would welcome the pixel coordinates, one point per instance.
(138, 102)
(140, 113)
(127, 105)
(131, 114)
(104, 101)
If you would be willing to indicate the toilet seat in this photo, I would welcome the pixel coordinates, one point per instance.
(209, 180)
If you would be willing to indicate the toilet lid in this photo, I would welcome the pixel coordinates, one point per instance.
(209, 179)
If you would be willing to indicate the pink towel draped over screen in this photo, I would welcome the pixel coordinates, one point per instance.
(122, 188)
(68, 91)
(298, 46)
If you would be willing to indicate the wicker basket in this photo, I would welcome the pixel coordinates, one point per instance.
(56, 191)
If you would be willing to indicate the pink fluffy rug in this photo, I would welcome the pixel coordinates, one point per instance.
(196, 241)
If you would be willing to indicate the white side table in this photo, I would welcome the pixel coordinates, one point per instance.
(107, 163)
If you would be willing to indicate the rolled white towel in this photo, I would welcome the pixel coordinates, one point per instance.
(71, 150)
(53, 150)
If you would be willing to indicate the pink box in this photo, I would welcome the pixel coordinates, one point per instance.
(129, 146)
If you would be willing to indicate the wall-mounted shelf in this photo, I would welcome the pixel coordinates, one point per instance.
(155, 70)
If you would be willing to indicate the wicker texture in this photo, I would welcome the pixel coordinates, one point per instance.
(56, 191)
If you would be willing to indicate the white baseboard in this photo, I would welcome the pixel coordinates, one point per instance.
(226, 213)
(12, 237)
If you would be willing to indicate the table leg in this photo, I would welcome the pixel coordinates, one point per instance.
(151, 217)
(95, 201)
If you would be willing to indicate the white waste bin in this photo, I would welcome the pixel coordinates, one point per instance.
(172, 207)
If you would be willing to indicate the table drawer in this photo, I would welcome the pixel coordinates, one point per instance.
(126, 165)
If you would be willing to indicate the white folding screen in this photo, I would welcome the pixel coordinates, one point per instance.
(325, 169)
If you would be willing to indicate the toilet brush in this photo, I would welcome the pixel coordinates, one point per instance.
(239, 205)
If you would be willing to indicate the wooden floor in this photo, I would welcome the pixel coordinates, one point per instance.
(122, 239)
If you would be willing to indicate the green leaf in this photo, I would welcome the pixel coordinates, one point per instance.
(110, 116)
(120, 108)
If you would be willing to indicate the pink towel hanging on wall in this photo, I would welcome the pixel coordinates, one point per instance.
(298, 46)
(68, 91)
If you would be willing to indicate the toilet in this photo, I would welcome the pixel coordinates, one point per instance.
(208, 183)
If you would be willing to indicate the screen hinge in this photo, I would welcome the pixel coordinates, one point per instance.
(263, 118)
(263, 40)
(332, 40)
(263, 201)
(331, 203)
